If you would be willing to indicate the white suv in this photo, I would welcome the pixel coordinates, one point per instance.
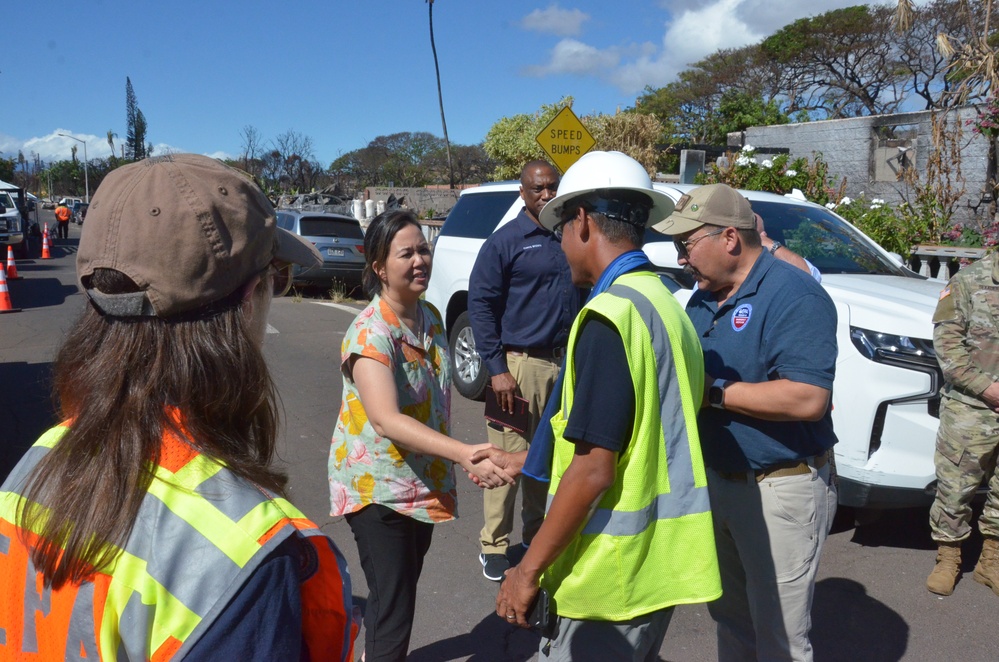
(886, 393)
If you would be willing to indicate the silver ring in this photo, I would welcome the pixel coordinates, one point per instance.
(511, 617)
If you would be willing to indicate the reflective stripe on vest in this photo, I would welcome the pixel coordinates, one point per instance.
(685, 497)
(148, 602)
(649, 544)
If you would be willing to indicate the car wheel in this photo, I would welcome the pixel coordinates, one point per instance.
(468, 374)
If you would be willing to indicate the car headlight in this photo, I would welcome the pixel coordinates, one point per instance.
(902, 351)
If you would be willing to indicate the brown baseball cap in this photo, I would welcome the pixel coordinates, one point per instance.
(187, 229)
(714, 204)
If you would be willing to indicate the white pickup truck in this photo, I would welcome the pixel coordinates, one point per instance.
(886, 393)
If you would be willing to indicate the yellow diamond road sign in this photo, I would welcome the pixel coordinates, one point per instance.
(565, 139)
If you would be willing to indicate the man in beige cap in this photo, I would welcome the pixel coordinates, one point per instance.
(768, 332)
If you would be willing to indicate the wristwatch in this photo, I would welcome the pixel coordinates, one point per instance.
(775, 246)
(716, 394)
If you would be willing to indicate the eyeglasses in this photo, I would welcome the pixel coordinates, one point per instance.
(557, 230)
(683, 246)
(566, 217)
(280, 277)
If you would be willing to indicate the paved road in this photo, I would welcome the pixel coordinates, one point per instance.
(870, 603)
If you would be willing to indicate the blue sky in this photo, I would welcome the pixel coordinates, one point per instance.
(341, 73)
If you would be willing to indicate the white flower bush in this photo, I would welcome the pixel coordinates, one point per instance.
(767, 163)
(748, 148)
(790, 172)
(743, 161)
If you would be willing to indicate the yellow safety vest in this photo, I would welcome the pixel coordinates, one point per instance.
(200, 534)
(649, 544)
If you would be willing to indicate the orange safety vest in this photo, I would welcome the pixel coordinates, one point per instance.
(201, 532)
(63, 214)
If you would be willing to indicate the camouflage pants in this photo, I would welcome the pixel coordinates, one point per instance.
(966, 453)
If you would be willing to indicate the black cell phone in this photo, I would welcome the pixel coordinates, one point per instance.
(537, 613)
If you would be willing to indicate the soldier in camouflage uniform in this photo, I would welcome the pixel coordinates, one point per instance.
(966, 340)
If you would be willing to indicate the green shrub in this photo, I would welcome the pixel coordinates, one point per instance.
(746, 170)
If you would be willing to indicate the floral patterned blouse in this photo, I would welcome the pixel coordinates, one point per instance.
(365, 468)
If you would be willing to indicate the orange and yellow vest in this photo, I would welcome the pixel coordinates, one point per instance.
(200, 533)
(649, 543)
(63, 214)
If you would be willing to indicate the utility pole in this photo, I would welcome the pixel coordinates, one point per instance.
(86, 176)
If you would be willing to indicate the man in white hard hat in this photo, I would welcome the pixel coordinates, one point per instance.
(628, 531)
(768, 331)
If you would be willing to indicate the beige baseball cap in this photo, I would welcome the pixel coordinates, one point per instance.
(187, 229)
(714, 204)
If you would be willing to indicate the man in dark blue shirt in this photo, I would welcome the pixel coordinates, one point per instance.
(521, 304)
(768, 331)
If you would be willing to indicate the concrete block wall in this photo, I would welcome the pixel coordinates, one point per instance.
(847, 146)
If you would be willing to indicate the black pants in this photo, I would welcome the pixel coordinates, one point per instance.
(391, 547)
(62, 230)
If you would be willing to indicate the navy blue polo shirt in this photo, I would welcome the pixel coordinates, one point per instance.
(520, 292)
(780, 324)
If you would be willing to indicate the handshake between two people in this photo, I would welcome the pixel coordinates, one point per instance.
(489, 466)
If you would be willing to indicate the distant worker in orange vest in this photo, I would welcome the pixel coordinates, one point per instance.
(63, 214)
(150, 525)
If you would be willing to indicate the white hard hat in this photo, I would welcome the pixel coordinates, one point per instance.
(601, 173)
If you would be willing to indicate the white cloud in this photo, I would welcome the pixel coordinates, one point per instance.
(555, 20)
(692, 30)
(574, 57)
(55, 147)
(222, 156)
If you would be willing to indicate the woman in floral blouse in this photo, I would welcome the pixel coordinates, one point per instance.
(391, 466)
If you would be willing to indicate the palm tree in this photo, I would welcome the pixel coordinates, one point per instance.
(440, 97)
(111, 136)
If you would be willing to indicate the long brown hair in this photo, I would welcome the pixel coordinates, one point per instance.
(115, 379)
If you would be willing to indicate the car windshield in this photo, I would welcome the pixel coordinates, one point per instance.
(6, 201)
(318, 226)
(824, 239)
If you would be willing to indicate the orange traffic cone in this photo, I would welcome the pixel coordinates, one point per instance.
(5, 305)
(11, 267)
(45, 243)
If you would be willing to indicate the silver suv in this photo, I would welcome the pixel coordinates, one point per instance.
(339, 240)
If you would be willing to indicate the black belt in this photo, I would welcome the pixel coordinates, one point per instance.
(547, 353)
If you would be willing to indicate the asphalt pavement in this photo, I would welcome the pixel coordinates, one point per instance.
(870, 599)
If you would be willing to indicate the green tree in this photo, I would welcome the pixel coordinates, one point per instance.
(135, 121)
(7, 166)
(510, 142)
(635, 134)
(842, 63)
(737, 111)
(111, 136)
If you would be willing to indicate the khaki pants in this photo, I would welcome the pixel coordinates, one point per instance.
(535, 379)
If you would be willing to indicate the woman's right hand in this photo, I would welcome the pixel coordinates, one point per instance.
(482, 470)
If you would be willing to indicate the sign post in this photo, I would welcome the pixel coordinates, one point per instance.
(565, 139)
